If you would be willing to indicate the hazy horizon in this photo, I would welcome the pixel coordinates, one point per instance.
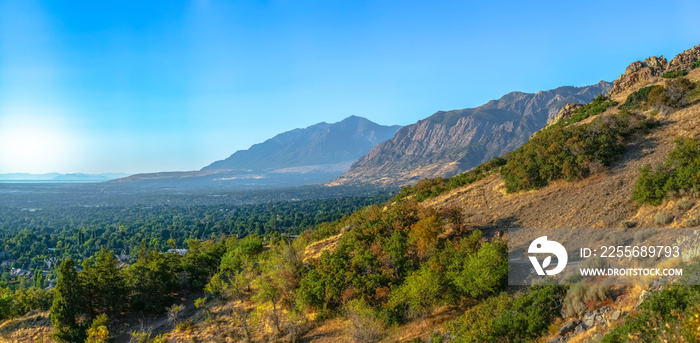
(133, 87)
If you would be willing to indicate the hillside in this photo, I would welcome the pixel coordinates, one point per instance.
(451, 142)
(431, 264)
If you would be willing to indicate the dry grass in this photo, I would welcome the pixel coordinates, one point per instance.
(314, 250)
(602, 200)
(34, 327)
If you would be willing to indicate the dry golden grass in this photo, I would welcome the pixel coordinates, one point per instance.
(34, 327)
(314, 250)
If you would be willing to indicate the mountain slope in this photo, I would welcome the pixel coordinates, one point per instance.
(450, 142)
(319, 144)
(312, 155)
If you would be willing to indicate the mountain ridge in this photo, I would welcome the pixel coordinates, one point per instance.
(318, 144)
(302, 156)
(449, 142)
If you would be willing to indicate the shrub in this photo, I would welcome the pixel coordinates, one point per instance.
(685, 205)
(673, 96)
(674, 74)
(597, 106)
(569, 152)
(579, 297)
(420, 292)
(530, 315)
(692, 222)
(364, 325)
(662, 218)
(696, 64)
(679, 171)
(147, 337)
(476, 325)
(480, 273)
(660, 306)
(637, 98)
(98, 333)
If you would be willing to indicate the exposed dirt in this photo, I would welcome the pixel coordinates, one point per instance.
(602, 200)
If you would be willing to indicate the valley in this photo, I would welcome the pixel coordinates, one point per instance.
(358, 232)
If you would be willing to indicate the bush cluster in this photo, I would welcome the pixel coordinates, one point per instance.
(521, 318)
(647, 321)
(680, 171)
(637, 98)
(569, 152)
(400, 264)
(597, 106)
(674, 74)
(675, 95)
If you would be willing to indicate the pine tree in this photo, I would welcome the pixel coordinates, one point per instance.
(67, 305)
(104, 283)
(38, 280)
(111, 281)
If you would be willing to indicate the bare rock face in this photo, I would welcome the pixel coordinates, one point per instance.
(638, 72)
(566, 112)
(450, 142)
(685, 59)
(643, 71)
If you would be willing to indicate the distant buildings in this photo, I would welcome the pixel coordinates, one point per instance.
(50, 262)
(20, 272)
(178, 251)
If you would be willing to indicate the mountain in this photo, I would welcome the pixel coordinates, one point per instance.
(58, 177)
(413, 259)
(320, 144)
(315, 154)
(451, 142)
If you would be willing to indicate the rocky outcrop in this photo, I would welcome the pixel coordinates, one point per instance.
(642, 72)
(451, 142)
(685, 59)
(639, 72)
(604, 317)
(566, 112)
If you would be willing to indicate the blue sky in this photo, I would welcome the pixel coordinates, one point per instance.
(143, 86)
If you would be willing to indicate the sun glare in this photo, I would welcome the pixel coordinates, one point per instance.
(34, 145)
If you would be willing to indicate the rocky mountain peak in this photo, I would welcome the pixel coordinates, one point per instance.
(642, 72)
(685, 59)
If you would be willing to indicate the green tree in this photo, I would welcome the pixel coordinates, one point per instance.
(98, 332)
(106, 283)
(420, 292)
(68, 307)
(5, 303)
(269, 291)
(479, 273)
(38, 280)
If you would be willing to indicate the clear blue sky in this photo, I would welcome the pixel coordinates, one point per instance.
(142, 86)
